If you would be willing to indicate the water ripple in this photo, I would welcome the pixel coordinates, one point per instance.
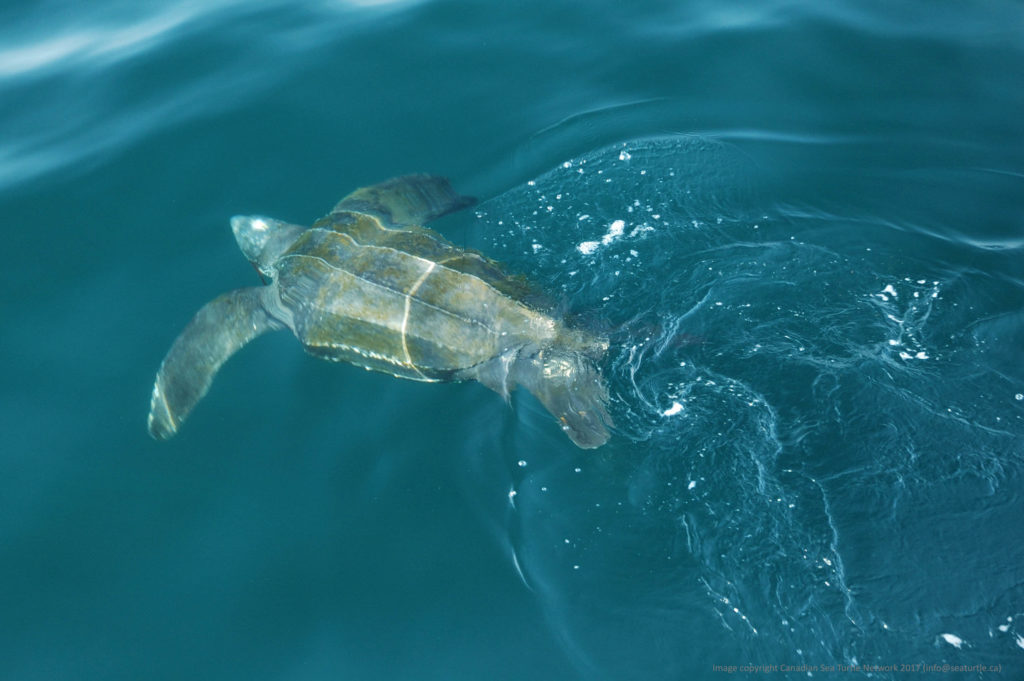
(82, 83)
(778, 379)
(77, 47)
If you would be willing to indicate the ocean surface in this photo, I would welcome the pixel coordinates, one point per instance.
(801, 225)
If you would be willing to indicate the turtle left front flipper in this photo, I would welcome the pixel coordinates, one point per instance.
(219, 329)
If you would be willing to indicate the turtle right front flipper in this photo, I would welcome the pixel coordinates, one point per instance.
(406, 201)
(219, 329)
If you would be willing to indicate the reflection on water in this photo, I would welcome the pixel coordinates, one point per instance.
(809, 427)
(67, 72)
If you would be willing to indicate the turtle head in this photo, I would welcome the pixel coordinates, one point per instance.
(264, 240)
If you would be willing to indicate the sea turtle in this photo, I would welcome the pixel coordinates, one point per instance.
(367, 284)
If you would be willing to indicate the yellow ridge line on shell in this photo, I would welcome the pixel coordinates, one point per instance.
(408, 306)
(456, 253)
(362, 277)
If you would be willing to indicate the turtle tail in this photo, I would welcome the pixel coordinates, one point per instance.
(219, 329)
(569, 386)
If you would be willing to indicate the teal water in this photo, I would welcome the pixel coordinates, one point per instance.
(801, 223)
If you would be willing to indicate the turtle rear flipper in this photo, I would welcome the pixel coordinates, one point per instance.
(570, 387)
(406, 201)
(219, 329)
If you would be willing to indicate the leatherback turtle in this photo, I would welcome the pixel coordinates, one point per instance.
(367, 284)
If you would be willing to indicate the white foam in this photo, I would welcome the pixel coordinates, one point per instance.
(953, 640)
(615, 230)
(673, 410)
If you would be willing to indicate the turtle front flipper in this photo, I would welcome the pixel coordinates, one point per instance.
(569, 386)
(219, 329)
(406, 201)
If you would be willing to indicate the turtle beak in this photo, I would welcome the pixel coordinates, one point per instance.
(263, 240)
(251, 233)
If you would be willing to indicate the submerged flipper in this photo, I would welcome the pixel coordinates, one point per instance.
(406, 201)
(219, 329)
(569, 386)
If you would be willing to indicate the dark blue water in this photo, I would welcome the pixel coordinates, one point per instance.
(802, 225)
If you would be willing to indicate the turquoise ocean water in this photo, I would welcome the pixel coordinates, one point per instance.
(801, 223)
